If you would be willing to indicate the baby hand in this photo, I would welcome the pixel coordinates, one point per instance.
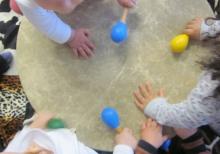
(81, 44)
(127, 3)
(145, 94)
(151, 132)
(126, 138)
(193, 28)
(41, 120)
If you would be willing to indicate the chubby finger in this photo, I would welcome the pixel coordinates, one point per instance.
(90, 45)
(75, 52)
(188, 31)
(189, 27)
(148, 87)
(192, 22)
(197, 19)
(143, 90)
(138, 104)
(139, 97)
(82, 52)
(87, 50)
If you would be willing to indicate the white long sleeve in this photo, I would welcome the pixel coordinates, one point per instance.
(197, 110)
(45, 21)
(123, 149)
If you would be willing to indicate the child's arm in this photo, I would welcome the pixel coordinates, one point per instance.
(151, 138)
(202, 29)
(193, 112)
(48, 23)
(41, 120)
(125, 142)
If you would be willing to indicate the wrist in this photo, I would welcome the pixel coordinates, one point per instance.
(151, 108)
(71, 36)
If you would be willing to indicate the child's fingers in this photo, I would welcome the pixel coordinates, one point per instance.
(87, 50)
(191, 26)
(188, 31)
(82, 52)
(143, 90)
(139, 97)
(197, 19)
(148, 87)
(90, 45)
(75, 52)
(138, 104)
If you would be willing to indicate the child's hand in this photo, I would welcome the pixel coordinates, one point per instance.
(127, 3)
(80, 43)
(126, 138)
(145, 94)
(193, 28)
(41, 120)
(151, 132)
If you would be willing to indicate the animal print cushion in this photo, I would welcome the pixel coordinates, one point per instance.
(13, 105)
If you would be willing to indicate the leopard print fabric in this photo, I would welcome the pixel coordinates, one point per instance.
(13, 102)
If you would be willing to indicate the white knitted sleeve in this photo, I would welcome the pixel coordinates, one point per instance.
(197, 110)
(210, 28)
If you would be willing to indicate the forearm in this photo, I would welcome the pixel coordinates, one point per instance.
(47, 22)
(180, 115)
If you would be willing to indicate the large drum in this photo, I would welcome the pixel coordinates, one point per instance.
(77, 90)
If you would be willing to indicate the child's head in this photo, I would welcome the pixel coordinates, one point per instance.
(61, 6)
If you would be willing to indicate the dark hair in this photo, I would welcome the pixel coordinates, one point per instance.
(212, 64)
